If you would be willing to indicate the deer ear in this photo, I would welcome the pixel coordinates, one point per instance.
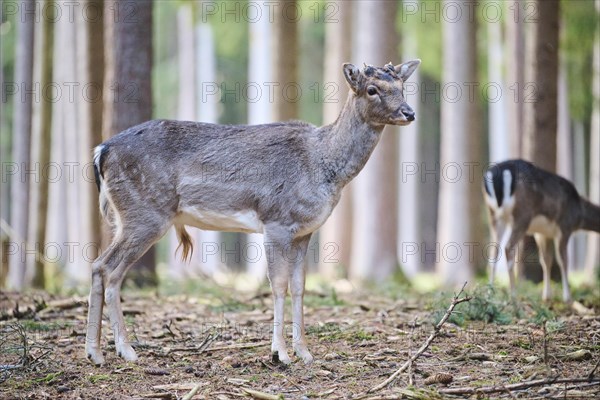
(353, 76)
(405, 70)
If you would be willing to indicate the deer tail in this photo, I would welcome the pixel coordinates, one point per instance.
(98, 159)
(185, 241)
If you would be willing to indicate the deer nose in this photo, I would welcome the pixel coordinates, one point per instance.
(408, 113)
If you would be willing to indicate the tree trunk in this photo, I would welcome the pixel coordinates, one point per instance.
(260, 71)
(515, 61)
(541, 69)
(285, 58)
(499, 137)
(592, 260)
(460, 193)
(375, 189)
(409, 187)
(186, 111)
(5, 148)
(43, 147)
(21, 145)
(95, 76)
(128, 89)
(540, 97)
(335, 236)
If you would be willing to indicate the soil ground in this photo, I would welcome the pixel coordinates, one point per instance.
(221, 344)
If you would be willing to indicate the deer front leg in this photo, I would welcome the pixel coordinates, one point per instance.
(277, 240)
(513, 237)
(278, 276)
(496, 232)
(297, 289)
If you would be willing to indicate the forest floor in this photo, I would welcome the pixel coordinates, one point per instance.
(219, 345)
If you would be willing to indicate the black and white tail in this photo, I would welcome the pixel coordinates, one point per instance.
(99, 155)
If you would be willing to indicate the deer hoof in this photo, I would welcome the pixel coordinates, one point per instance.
(280, 357)
(126, 352)
(96, 357)
(304, 354)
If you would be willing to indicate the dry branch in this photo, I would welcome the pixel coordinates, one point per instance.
(261, 395)
(515, 386)
(436, 331)
(191, 393)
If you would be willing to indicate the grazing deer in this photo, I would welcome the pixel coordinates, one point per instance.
(281, 179)
(525, 200)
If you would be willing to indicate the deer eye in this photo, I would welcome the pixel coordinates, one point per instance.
(371, 90)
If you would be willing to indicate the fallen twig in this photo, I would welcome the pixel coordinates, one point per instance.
(240, 346)
(262, 395)
(191, 393)
(469, 390)
(64, 304)
(593, 371)
(436, 331)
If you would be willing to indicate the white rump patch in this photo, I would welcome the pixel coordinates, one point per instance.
(234, 221)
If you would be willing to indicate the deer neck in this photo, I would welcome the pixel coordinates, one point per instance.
(590, 216)
(347, 144)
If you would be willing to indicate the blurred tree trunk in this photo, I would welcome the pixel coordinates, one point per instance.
(128, 90)
(260, 111)
(460, 191)
(410, 185)
(94, 65)
(375, 189)
(285, 59)
(5, 148)
(515, 61)
(541, 110)
(21, 144)
(592, 260)
(43, 148)
(186, 111)
(335, 236)
(499, 136)
(540, 99)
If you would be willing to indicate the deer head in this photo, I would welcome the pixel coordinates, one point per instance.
(379, 92)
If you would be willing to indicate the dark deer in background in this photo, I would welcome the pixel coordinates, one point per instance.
(281, 179)
(525, 200)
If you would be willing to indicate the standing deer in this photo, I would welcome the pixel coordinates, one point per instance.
(281, 179)
(523, 199)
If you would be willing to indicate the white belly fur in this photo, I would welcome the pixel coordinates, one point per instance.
(544, 226)
(234, 221)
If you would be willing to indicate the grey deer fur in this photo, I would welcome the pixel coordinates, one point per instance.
(524, 199)
(281, 179)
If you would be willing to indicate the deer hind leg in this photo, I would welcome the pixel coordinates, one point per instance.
(560, 248)
(297, 280)
(128, 248)
(96, 303)
(546, 262)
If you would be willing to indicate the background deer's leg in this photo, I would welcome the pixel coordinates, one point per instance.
(515, 235)
(497, 229)
(560, 248)
(297, 281)
(546, 262)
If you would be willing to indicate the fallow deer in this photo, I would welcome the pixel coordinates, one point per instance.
(523, 199)
(281, 179)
